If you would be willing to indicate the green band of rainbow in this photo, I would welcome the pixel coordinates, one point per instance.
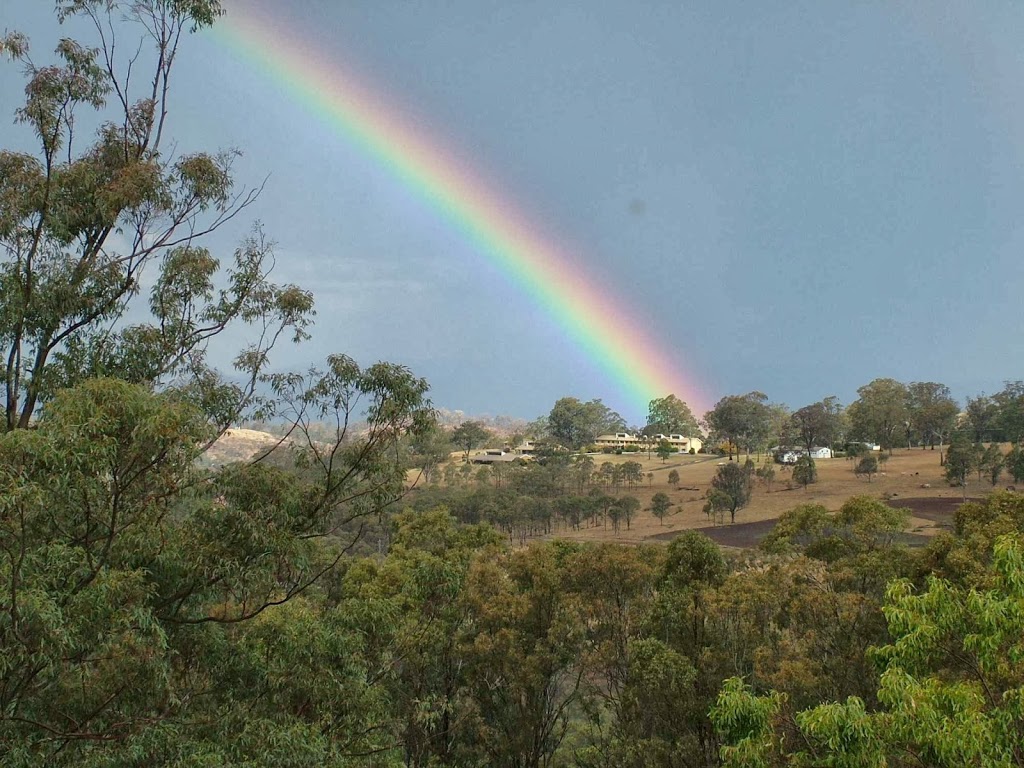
(591, 316)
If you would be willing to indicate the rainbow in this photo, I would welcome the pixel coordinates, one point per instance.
(634, 361)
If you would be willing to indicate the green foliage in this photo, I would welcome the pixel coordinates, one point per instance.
(717, 504)
(862, 525)
(80, 224)
(1009, 418)
(951, 686)
(742, 420)
(429, 449)
(671, 416)
(625, 508)
(693, 558)
(470, 435)
(136, 573)
(933, 410)
(673, 477)
(961, 459)
(868, 466)
(879, 411)
(817, 424)
(857, 450)
(733, 485)
(804, 471)
(1015, 463)
(665, 449)
(992, 463)
(660, 505)
(573, 423)
(766, 473)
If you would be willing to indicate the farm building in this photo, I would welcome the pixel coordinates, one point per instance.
(790, 455)
(623, 439)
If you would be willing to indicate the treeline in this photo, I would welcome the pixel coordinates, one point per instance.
(887, 412)
(559, 492)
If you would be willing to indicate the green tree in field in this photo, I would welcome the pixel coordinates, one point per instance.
(742, 420)
(982, 415)
(766, 473)
(660, 505)
(816, 424)
(880, 411)
(469, 435)
(1009, 418)
(933, 411)
(574, 424)
(804, 471)
(673, 478)
(582, 471)
(867, 466)
(857, 450)
(961, 460)
(950, 690)
(671, 416)
(625, 508)
(992, 462)
(664, 450)
(717, 504)
(632, 472)
(1015, 463)
(736, 484)
(429, 450)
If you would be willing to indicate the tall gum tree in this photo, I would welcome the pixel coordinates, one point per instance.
(84, 216)
(671, 416)
(880, 410)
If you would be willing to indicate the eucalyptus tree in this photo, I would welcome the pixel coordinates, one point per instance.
(880, 409)
(743, 420)
(1010, 411)
(85, 216)
(671, 416)
(574, 424)
(933, 411)
(734, 485)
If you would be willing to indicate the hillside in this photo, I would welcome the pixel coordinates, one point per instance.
(239, 445)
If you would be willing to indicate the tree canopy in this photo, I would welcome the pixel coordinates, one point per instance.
(574, 423)
(671, 416)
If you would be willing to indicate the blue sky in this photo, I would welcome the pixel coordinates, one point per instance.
(797, 197)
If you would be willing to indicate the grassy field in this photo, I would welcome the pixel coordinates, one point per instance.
(911, 477)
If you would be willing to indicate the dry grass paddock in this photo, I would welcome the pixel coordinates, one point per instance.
(913, 475)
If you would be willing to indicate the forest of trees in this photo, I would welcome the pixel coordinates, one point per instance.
(302, 608)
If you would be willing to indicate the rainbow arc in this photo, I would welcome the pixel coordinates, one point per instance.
(624, 350)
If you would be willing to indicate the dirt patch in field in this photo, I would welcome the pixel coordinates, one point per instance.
(936, 509)
(740, 535)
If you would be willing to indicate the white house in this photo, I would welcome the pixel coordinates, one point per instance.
(790, 455)
(618, 440)
(683, 443)
(622, 439)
